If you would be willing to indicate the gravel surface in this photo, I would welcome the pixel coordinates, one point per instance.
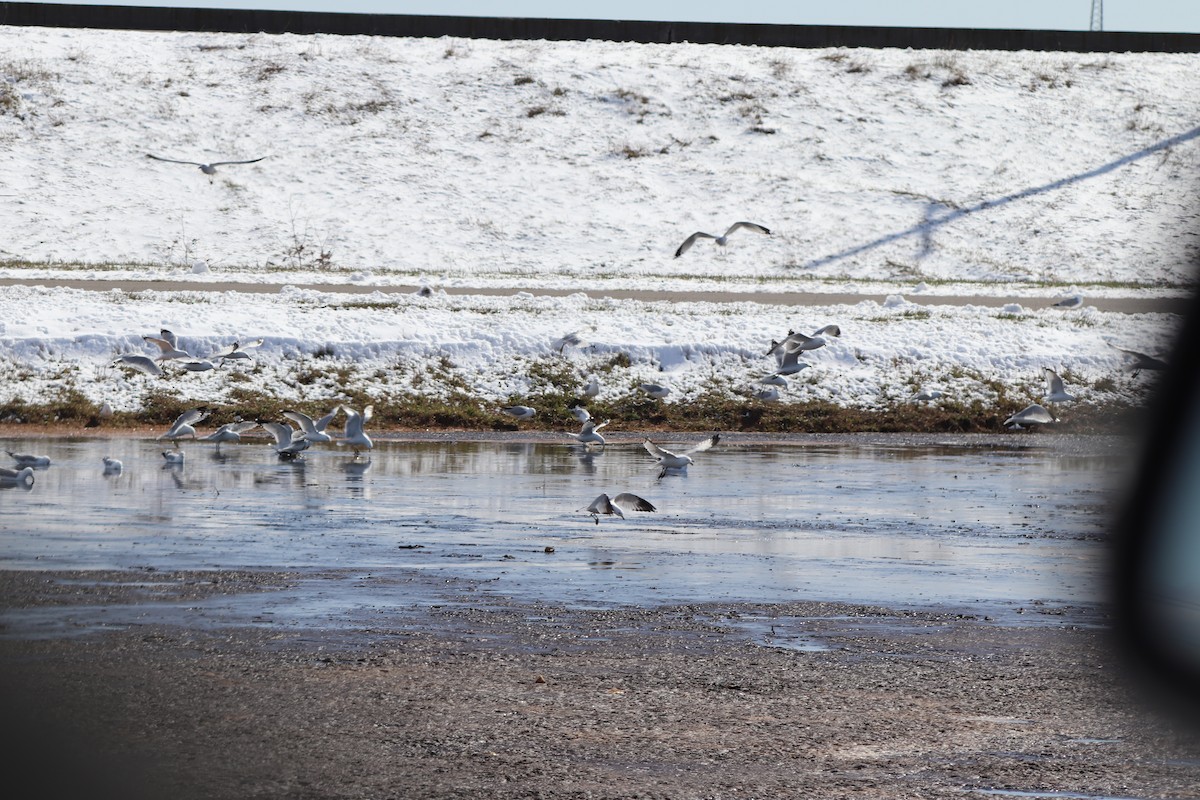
(489, 698)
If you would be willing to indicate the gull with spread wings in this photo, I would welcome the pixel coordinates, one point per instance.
(612, 505)
(677, 462)
(722, 239)
(208, 169)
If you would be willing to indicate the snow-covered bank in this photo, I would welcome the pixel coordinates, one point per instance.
(581, 167)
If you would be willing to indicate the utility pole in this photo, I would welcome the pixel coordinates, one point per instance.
(1097, 15)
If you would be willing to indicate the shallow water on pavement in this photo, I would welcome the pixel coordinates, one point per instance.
(987, 529)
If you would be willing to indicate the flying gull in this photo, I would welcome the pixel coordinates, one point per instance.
(288, 443)
(1055, 390)
(722, 239)
(168, 348)
(612, 505)
(184, 425)
(353, 435)
(312, 429)
(141, 363)
(588, 435)
(208, 169)
(1029, 416)
(677, 461)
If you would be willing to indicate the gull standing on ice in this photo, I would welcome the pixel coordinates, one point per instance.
(612, 505)
(29, 460)
(183, 425)
(520, 412)
(580, 413)
(677, 461)
(353, 434)
(1029, 416)
(722, 239)
(16, 477)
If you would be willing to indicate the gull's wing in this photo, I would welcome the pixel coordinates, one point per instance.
(354, 422)
(281, 433)
(190, 417)
(656, 451)
(163, 345)
(141, 363)
(601, 425)
(707, 443)
(174, 160)
(1054, 384)
(225, 351)
(303, 420)
(323, 423)
(691, 240)
(603, 505)
(251, 345)
(832, 330)
(750, 226)
(170, 337)
(219, 163)
(633, 501)
(367, 413)
(242, 427)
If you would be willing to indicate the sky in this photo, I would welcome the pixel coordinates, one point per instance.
(1174, 16)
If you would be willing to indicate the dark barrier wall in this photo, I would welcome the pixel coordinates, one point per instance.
(306, 22)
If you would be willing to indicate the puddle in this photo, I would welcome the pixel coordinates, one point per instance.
(990, 531)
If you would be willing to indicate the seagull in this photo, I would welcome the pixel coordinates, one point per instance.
(1073, 301)
(28, 460)
(520, 412)
(112, 466)
(237, 350)
(580, 413)
(198, 365)
(310, 429)
(588, 433)
(1141, 361)
(207, 169)
(288, 445)
(1055, 391)
(229, 432)
(768, 395)
(654, 390)
(926, 395)
(774, 379)
(183, 425)
(140, 363)
(722, 239)
(353, 434)
(168, 348)
(173, 457)
(799, 342)
(572, 339)
(1030, 415)
(677, 461)
(606, 505)
(16, 477)
(591, 388)
(789, 364)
